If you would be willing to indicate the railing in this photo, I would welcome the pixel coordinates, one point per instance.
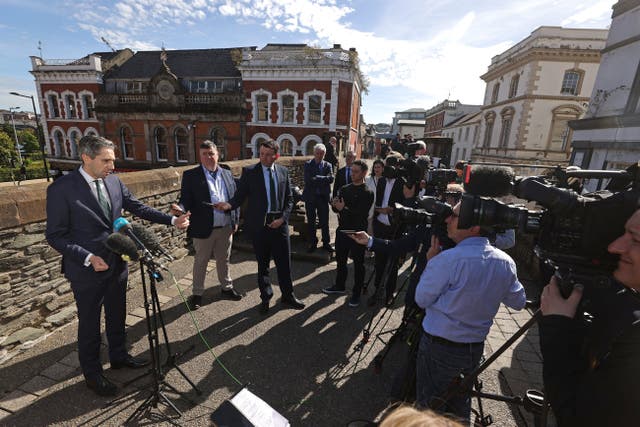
(133, 99)
(81, 61)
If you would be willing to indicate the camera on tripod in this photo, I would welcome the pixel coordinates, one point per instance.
(573, 231)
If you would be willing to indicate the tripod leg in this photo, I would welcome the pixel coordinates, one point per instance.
(198, 391)
(168, 402)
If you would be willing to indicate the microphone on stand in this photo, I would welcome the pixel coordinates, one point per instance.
(150, 240)
(123, 226)
(123, 246)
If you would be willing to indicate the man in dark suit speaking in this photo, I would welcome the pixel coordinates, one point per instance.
(81, 208)
(211, 230)
(266, 219)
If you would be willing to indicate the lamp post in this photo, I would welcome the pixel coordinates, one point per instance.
(40, 134)
(15, 134)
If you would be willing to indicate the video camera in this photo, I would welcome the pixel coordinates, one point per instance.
(437, 180)
(431, 213)
(573, 231)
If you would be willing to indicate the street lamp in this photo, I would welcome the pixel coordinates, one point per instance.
(15, 134)
(40, 133)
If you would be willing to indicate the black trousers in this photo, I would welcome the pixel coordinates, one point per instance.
(346, 246)
(268, 243)
(319, 204)
(90, 298)
(383, 231)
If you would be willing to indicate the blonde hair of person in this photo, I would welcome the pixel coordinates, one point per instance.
(407, 416)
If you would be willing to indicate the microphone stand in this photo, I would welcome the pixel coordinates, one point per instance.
(155, 322)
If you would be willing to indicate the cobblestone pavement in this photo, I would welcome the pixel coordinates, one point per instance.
(302, 363)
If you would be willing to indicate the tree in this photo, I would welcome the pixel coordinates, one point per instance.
(29, 141)
(7, 149)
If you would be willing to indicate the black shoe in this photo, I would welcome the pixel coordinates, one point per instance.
(292, 302)
(231, 294)
(130, 362)
(195, 302)
(264, 307)
(101, 386)
(334, 290)
(327, 247)
(311, 249)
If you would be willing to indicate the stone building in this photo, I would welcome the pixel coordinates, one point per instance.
(410, 114)
(299, 96)
(464, 134)
(608, 137)
(533, 90)
(67, 91)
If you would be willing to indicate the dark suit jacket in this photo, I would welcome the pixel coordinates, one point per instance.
(194, 191)
(341, 180)
(322, 181)
(252, 186)
(76, 226)
(396, 196)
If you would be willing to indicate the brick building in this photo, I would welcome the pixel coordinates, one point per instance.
(158, 106)
(300, 96)
(67, 90)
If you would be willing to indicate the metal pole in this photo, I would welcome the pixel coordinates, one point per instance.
(40, 133)
(15, 135)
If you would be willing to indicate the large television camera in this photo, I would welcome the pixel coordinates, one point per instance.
(572, 231)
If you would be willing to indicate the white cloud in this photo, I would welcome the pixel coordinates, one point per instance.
(445, 56)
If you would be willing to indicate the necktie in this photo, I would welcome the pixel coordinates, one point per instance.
(272, 192)
(102, 201)
(213, 174)
(348, 175)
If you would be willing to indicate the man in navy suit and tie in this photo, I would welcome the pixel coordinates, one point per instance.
(268, 189)
(343, 176)
(211, 230)
(318, 176)
(81, 208)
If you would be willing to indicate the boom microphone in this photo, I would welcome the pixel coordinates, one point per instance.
(123, 246)
(488, 181)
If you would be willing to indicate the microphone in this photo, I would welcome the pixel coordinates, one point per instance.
(150, 240)
(121, 225)
(488, 181)
(123, 246)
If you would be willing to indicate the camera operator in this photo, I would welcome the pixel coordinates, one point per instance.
(591, 374)
(352, 204)
(461, 290)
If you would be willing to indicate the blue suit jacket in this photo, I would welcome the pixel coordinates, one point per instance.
(252, 186)
(322, 181)
(76, 226)
(194, 191)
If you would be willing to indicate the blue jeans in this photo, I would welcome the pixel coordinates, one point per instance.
(438, 365)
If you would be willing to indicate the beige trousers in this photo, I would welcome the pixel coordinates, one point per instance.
(218, 247)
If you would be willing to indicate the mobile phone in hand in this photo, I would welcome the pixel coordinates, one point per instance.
(349, 231)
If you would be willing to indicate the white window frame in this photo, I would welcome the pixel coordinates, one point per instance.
(281, 95)
(185, 145)
(155, 142)
(124, 143)
(307, 95)
(254, 104)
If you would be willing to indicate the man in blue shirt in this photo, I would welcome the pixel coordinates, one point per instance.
(461, 290)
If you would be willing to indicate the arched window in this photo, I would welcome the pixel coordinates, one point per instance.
(160, 140)
(488, 131)
(315, 109)
(286, 147)
(74, 139)
(507, 118)
(288, 109)
(126, 143)
(218, 136)
(58, 142)
(181, 140)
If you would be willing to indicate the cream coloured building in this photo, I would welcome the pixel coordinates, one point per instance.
(533, 90)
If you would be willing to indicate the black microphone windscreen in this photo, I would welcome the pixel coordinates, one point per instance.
(488, 181)
(122, 245)
(147, 238)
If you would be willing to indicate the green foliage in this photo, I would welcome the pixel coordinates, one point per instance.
(7, 149)
(29, 140)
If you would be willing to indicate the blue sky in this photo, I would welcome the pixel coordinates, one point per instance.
(415, 53)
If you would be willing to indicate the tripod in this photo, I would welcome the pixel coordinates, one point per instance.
(155, 322)
(533, 401)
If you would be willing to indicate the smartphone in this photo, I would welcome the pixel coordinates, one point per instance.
(349, 231)
(208, 204)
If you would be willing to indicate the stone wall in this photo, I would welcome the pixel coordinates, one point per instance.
(34, 296)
